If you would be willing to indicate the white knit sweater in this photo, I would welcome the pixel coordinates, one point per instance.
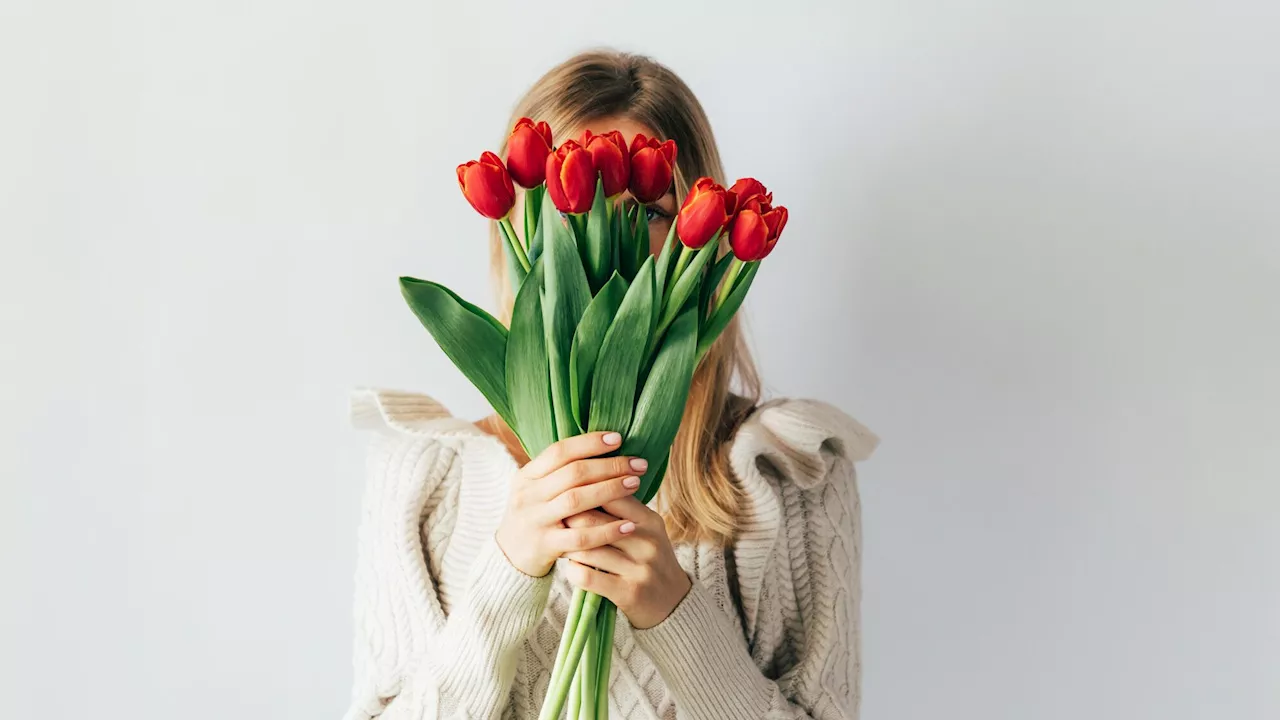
(447, 628)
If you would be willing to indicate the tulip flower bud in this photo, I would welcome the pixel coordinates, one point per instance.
(749, 188)
(487, 186)
(755, 229)
(571, 178)
(652, 168)
(612, 159)
(527, 151)
(706, 211)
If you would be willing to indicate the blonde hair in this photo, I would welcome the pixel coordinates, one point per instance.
(699, 498)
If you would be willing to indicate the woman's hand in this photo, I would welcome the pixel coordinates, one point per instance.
(566, 479)
(640, 572)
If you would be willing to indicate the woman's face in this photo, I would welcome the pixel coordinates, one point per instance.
(661, 214)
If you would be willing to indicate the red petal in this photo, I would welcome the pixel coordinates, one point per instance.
(669, 151)
(748, 236)
(545, 131)
(638, 143)
(776, 219)
(578, 176)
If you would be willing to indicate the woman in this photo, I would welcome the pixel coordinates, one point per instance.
(738, 596)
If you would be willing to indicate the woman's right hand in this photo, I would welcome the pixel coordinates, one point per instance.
(566, 479)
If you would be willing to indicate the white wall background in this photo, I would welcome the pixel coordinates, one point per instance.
(1035, 245)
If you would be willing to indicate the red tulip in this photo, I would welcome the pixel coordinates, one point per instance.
(487, 186)
(652, 167)
(527, 151)
(705, 212)
(756, 228)
(609, 153)
(571, 178)
(748, 188)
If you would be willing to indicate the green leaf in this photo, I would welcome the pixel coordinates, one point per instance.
(653, 480)
(720, 319)
(662, 271)
(617, 240)
(532, 210)
(708, 289)
(613, 391)
(528, 381)
(599, 254)
(687, 283)
(641, 246)
(587, 339)
(564, 301)
(473, 339)
(661, 403)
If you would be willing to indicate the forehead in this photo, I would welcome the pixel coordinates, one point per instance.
(628, 127)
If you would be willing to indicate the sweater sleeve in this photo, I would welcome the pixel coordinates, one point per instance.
(704, 658)
(420, 653)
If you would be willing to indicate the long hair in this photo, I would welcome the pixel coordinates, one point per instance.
(699, 499)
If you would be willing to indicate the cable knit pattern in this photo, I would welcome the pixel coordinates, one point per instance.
(447, 628)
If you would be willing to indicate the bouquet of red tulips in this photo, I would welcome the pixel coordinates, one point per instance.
(603, 334)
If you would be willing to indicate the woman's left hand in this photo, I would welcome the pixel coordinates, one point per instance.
(640, 572)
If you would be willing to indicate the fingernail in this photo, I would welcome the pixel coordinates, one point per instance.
(612, 439)
(639, 464)
(627, 527)
(632, 482)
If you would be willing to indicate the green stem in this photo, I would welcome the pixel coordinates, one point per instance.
(513, 243)
(726, 287)
(570, 626)
(575, 696)
(590, 669)
(532, 208)
(682, 262)
(608, 618)
(558, 691)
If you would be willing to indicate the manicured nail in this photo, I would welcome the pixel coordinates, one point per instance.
(627, 527)
(639, 464)
(612, 439)
(632, 482)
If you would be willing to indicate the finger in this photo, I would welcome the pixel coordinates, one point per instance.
(609, 586)
(567, 540)
(630, 508)
(579, 447)
(587, 497)
(607, 558)
(590, 518)
(585, 472)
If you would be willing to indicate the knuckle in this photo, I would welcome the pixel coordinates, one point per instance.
(571, 498)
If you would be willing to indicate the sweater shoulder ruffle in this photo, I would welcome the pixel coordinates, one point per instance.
(800, 439)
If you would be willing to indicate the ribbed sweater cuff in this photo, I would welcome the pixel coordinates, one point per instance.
(705, 662)
(502, 605)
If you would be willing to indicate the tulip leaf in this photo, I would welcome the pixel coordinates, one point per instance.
(627, 264)
(640, 248)
(708, 289)
(619, 242)
(719, 319)
(471, 338)
(650, 488)
(565, 300)
(587, 339)
(663, 269)
(532, 210)
(599, 251)
(613, 390)
(661, 404)
(528, 382)
(686, 284)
